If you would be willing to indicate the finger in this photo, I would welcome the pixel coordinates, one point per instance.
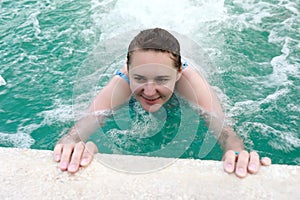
(242, 163)
(57, 152)
(253, 165)
(66, 155)
(265, 161)
(76, 157)
(89, 151)
(229, 161)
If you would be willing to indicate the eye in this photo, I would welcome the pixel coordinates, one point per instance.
(161, 80)
(139, 79)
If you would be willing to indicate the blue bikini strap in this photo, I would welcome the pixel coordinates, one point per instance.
(122, 75)
(184, 64)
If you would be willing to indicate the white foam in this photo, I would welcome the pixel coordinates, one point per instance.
(250, 107)
(291, 6)
(18, 140)
(275, 96)
(281, 140)
(28, 129)
(283, 32)
(32, 19)
(294, 107)
(282, 64)
(182, 16)
(143, 126)
(21, 139)
(253, 14)
(2, 81)
(62, 113)
(281, 70)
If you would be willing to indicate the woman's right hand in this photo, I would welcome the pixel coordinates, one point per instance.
(71, 156)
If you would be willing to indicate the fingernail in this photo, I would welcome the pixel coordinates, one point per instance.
(229, 167)
(57, 157)
(84, 161)
(72, 168)
(252, 167)
(240, 170)
(63, 165)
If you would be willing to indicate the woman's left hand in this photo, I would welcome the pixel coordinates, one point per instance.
(243, 162)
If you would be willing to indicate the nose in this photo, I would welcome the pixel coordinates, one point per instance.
(149, 89)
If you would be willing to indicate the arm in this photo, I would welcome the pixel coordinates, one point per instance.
(71, 151)
(196, 89)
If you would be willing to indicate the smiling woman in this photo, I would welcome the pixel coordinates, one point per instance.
(152, 84)
(153, 76)
(253, 66)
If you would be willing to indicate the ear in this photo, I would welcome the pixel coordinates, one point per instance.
(179, 75)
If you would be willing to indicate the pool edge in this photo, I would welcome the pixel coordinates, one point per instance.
(36, 176)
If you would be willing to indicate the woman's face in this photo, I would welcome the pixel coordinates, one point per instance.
(152, 78)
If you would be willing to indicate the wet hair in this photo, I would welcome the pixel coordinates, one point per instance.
(156, 39)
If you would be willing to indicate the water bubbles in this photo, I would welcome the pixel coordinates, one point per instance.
(18, 140)
(115, 17)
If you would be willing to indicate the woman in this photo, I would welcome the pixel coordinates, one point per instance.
(153, 72)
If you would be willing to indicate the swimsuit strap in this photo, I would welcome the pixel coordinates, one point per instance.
(122, 75)
(184, 65)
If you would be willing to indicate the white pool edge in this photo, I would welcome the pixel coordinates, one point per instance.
(32, 174)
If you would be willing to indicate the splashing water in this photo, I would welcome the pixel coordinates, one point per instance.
(253, 44)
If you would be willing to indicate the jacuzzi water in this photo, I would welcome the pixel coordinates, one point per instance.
(254, 46)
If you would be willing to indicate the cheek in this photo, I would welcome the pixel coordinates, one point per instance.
(166, 90)
(170, 86)
(135, 87)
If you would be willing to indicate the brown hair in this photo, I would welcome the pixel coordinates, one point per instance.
(156, 39)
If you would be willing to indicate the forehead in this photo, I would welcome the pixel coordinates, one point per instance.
(152, 70)
(148, 57)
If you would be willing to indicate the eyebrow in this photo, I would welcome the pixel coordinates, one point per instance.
(163, 76)
(140, 76)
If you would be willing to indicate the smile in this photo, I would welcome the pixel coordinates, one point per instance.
(151, 100)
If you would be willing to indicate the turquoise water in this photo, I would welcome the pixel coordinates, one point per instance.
(254, 45)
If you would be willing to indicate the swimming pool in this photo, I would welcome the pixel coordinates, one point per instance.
(254, 45)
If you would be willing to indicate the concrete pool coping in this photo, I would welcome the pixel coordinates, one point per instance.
(32, 174)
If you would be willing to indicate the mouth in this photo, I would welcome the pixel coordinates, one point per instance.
(151, 100)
